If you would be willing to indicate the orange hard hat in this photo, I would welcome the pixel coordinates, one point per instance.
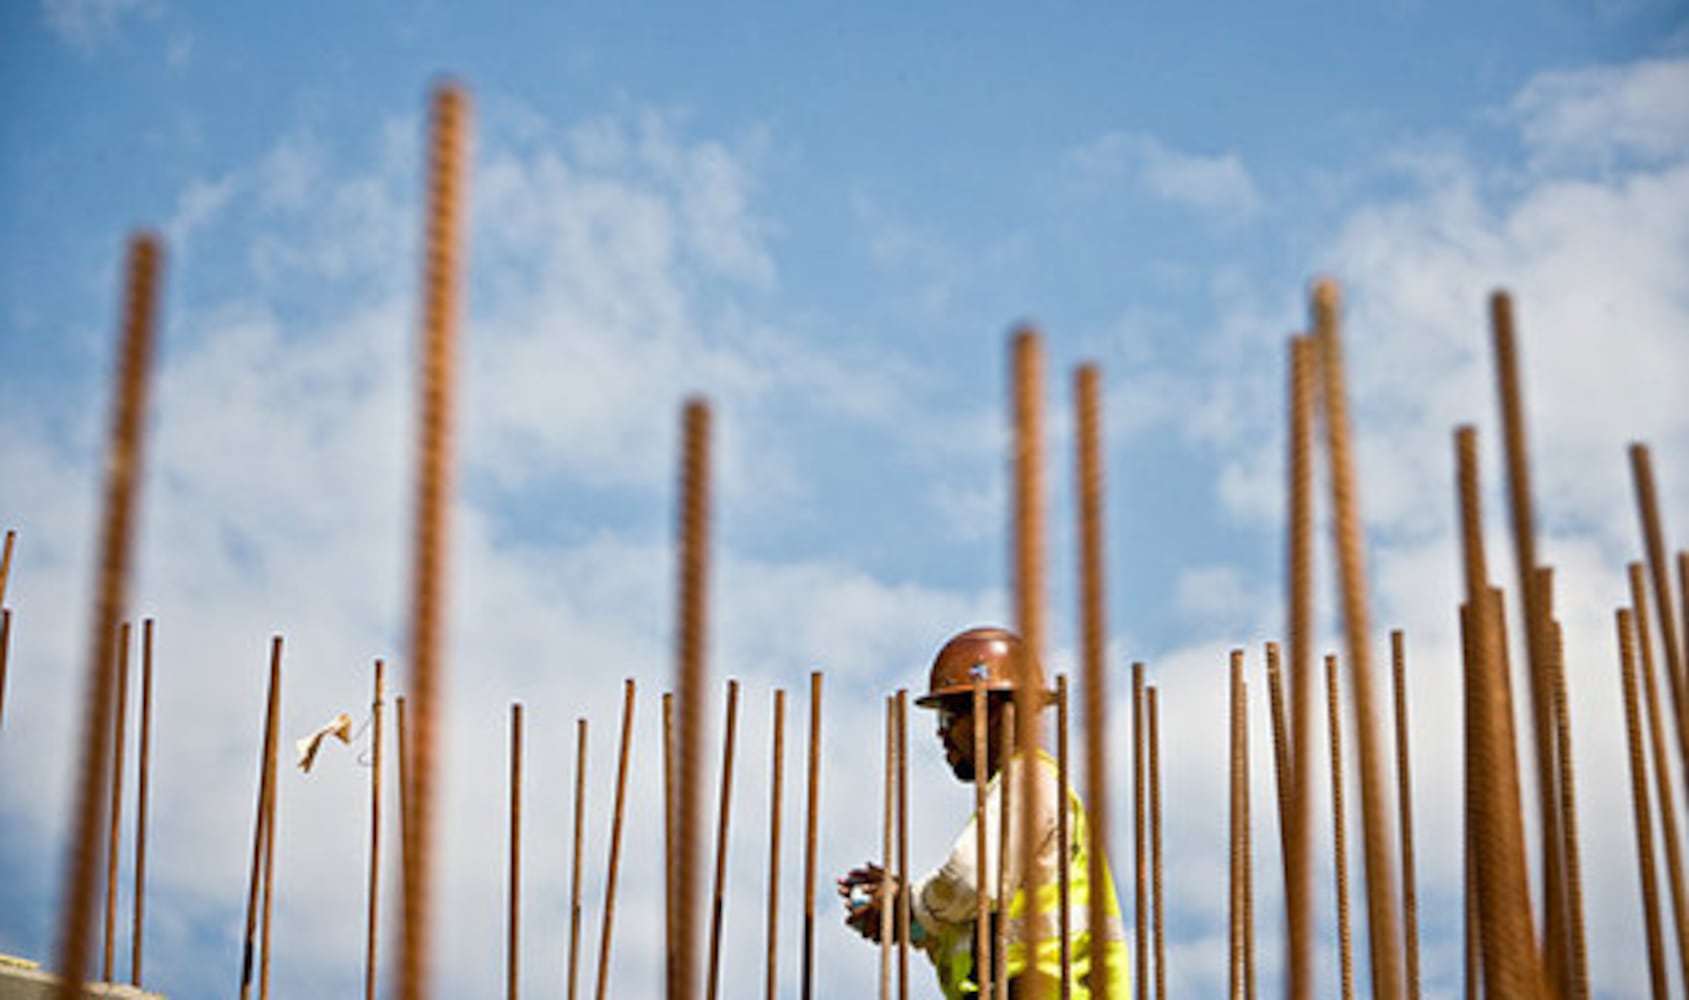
(996, 654)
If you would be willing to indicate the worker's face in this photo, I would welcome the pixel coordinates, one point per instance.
(956, 733)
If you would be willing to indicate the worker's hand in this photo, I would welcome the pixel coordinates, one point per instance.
(866, 891)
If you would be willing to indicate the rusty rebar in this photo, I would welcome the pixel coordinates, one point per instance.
(1030, 698)
(1064, 844)
(271, 809)
(904, 902)
(1662, 768)
(1093, 630)
(114, 814)
(6, 563)
(1140, 878)
(579, 823)
(723, 820)
(1404, 811)
(670, 803)
(1383, 925)
(885, 891)
(5, 648)
(143, 785)
(373, 905)
(1551, 844)
(1568, 795)
(124, 459)
(1639, 803)
(982, 773)
(1239, 828)
(513, 922)
(1159, 906)
(1339, 831)
(1281, 746)
(690, 691)
(1472, 750)
(1007, 799)
(1512, 965)
(776, 783)
(810, 836)
(613, 871)
(431, 544)
(260, 825)
(1299, 856)
(1653, 532)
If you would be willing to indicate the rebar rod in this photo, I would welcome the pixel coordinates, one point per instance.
(1639, 804)
(1568, 794)
(143, 786)
(1299, 855)
(1007, 799)
(272, 717)
(1093, 629)
(1339, 828)
(884, 892)
(1653, 532)
(271, 809)
(1383, 926)
(1030, 698)
(1512, 966)
(613, 870)
(123, 473)
(690, 690)
(723, 819)
(1404, 811)
(1281, 746)
(114, 814)
(904, 901)
(513, 924)
(5, 649)
(1472, 750)
(982, 772)
(810, 835)
(431, 544)
(1556, 944)
(1064, 843)
(374, 903)
(776, 782)
(1238, 828)
(6, 563)
(1140, 879)
(1158, 908)
(670, 803)
(1662, 768)
(579, 823)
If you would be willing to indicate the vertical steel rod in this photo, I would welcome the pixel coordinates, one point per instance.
(448, 143)
(1237, 814)
(124, 460)
(1568, 792)
(690, 671)
(5, 649)
(1281, 746)
(904, 902)
(1404, 812)
(982, 915)
(1473, 752)
(1339, 828)
(1299, 856)
(374, 904)
(513, 925)
(575, 852)
(1662, 769)
(810, 834)
(886, 889)
(260, 826)
(270, 811)
(1158, 907)
(721, 838)
(1007, 799)
(1140, 883)
(1648, 508)
(6, 563)
(1383, 927)
(115, 813)
(1064, 843)
(671, 911)
(613, 871)
(1093, 629)
(1639, 802)
(144, 781)
(776, 781)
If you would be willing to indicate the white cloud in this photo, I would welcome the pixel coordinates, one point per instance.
(1598, 113)
(1218, 187)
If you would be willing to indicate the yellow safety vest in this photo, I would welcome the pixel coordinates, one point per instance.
(952, 952)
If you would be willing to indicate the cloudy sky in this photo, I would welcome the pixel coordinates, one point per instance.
(827, 222)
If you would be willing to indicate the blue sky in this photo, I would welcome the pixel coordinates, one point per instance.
(828, 221)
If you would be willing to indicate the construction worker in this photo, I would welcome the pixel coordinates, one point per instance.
(943, 905)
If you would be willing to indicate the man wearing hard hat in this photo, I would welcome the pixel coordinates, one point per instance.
(943, 905)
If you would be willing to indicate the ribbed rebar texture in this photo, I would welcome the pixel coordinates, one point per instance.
(579, 823)
(1662, 769)
(1472, 749)
(1008, 798)
(1064, 843)
(1551, 845)
(1639, 803)
(1158, 908)
(1383, 926)
(1653, 538)
(1568, 796)
(724, 813)
(982, 912)
(1030, 698)
(124, 459)
(431, 542)
(613, 870)
(1339, 830)
(6, 563)
(5, 651)
(260, 824)
(886, 900)
(1140, 879)
(1299, 635)
(1404, 811)
(690, 680)
(1512, 966)
(115, 813)
(1093, 633)
(1281, 746)
(271, 809)
(513, 922)
(143, 784)
(811, 834)
(372, 904)
(904, 902)
(776, 783)
(1242, 965)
